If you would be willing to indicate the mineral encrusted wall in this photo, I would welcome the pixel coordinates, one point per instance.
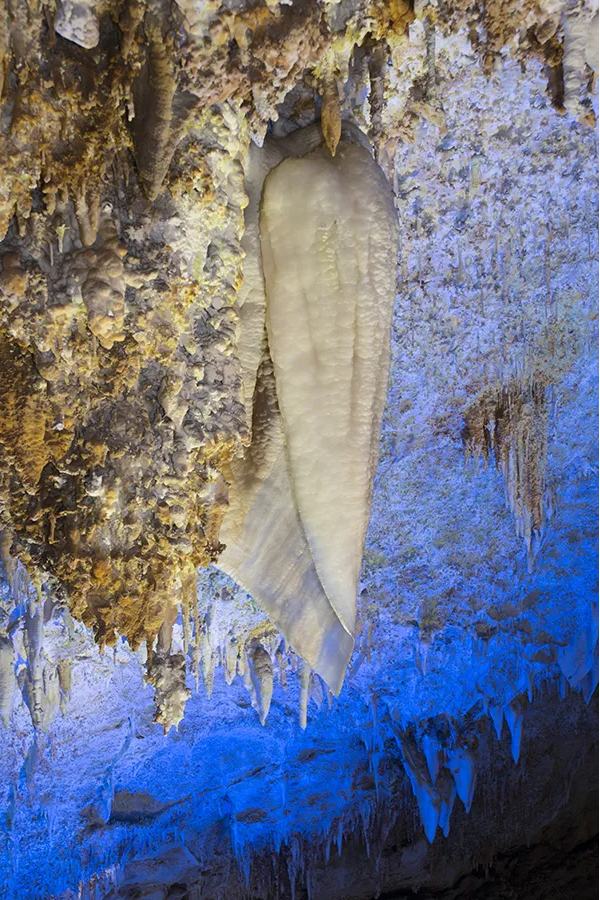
(461, 651)
(125, 133)
(124, 128)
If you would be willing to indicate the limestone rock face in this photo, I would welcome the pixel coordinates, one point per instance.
(126, 131)
(215, 357)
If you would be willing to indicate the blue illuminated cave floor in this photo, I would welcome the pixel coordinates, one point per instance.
(473, 682)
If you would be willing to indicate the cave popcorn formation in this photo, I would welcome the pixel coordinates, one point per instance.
(200, 301)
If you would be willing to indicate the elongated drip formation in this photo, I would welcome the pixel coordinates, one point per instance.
(125, 128)
(512, 423)
(316, 314)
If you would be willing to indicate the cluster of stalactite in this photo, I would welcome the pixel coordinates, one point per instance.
(510, 423)
(125, 126)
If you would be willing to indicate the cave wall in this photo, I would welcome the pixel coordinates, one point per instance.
(126, 130)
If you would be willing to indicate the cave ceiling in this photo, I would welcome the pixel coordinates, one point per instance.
(298, 445)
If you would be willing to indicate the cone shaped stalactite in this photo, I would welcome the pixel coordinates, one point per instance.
(512, 425)
(300, 499)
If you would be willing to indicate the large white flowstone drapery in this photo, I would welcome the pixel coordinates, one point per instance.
(316, 306)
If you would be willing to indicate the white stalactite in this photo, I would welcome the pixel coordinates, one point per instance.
(329, 277)
(34, 636)
(581, 47)
(431, 749)
(8, 682)
(304, 685)
(261, 673)
(591, 47)
(300, 498)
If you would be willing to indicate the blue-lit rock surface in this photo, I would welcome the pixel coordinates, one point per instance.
(468, 714)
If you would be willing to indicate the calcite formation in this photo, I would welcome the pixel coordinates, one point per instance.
(512, 425)
(8, 682)
(129, 133)
(300, 498)
(186, 190)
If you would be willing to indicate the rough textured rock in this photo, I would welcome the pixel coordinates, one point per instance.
(135, 140)
(125, 126)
